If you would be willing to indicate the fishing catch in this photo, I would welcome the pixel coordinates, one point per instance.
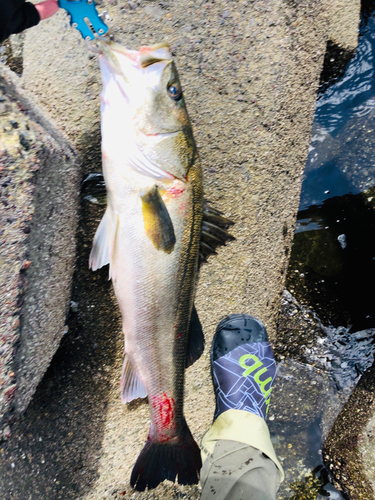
(155, 230)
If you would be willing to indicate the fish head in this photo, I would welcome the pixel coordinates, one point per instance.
(143, 91)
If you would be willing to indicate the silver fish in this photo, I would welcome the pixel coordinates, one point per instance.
(154, 234)
(150, 235)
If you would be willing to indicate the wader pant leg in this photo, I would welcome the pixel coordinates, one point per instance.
(239, 462)
(237, 471)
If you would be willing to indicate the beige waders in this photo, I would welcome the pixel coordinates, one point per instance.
(239, 462)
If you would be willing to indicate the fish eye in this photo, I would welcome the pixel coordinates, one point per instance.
(174, 91)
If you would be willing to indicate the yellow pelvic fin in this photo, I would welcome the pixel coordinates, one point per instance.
(157, 222)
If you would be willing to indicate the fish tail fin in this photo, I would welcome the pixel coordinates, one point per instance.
(165, 460)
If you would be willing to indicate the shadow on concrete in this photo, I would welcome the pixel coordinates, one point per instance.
(55, 447)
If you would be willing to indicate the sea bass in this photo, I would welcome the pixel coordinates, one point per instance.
(151, 237)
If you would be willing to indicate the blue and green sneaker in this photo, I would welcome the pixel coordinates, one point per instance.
(243, 365)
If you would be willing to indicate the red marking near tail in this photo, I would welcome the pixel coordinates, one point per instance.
(165, 423)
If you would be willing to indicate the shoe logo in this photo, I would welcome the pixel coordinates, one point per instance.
(250, 369)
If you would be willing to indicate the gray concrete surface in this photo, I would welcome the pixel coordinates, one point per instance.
(250, 72)
(38, 213)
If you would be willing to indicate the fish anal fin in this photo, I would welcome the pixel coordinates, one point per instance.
(157, 221)
(104, 241)
(195, 345)
(214, 232)
(132, 386)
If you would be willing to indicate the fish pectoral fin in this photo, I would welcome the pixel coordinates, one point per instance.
(195, 345)
(93, 189)
(132, 386)
(103, 246)
(157, 221)
(214, 232)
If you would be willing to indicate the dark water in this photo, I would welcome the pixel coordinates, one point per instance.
(334, 246)
(332, 265)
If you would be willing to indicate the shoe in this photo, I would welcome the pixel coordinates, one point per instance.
(243, 365)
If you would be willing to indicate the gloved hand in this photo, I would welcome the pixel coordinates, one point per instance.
(18, 15)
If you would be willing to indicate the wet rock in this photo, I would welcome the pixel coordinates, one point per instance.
(298, 328)
(7, 433)
(37, 245)
(308, 396)
(349, 450)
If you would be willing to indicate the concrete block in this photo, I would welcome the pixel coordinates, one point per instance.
(38, 218)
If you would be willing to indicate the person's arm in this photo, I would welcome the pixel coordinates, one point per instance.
(47, 9)
(18, 15)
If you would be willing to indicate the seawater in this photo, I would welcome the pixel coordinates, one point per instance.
(334, 245)
(332, 269)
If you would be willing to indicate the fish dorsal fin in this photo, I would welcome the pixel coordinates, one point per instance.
(157, 221)
(214, 232)
(132, 386)
(195, 345)
(103, 247)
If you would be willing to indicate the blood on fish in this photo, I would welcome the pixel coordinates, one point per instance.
(145, 49)
(165, 409)
(183, 207)
(131, 54)
(174, 191)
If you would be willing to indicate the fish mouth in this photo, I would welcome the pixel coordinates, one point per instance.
(146, 56)
(133, 69)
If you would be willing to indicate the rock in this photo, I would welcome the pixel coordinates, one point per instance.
(7, 433)
(38, 214)
(349, 449)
